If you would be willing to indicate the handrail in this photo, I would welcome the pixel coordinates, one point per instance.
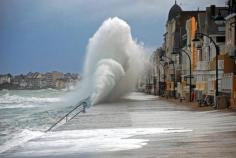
(85, 103)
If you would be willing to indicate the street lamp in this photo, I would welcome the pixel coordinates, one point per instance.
(197, 41)
(173, 63)
(219, 19)
(190, 70)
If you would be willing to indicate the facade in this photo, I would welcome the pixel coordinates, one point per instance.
(5, 78)
(205, 74)
(60, 84)
(5, 81)
(160, 72)
(20, 81)
(154, 75)
(52, 77)
(229, 79)
(171, 64)
(177, 37)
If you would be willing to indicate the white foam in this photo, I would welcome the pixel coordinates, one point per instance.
(107, 76)
(11, 99)
(114, 62)
(20, 138)
(95, 140)
(14, 106)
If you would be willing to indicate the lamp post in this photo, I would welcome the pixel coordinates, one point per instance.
(154, 84)
(171, 62)
(190, 71)
(197, 42)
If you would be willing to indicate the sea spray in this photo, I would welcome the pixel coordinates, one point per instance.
(114, 61)
(106, 77)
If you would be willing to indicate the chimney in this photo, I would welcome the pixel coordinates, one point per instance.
(212, 10)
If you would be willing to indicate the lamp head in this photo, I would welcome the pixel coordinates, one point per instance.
(219, 19)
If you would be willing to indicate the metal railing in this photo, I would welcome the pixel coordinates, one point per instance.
(80, 107)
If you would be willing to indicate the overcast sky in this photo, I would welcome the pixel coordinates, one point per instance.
(46, 35)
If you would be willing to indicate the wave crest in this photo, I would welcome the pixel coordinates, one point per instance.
(114, 61)
(15, 99)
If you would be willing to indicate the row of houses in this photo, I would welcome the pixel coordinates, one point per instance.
(36, 80)
(197, 59)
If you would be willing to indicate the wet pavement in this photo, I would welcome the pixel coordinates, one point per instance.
(139, 126)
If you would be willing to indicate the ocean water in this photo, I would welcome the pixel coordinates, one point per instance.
(26, 114)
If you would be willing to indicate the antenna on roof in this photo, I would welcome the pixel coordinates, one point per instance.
(175, 2)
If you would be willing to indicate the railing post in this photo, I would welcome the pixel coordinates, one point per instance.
(84, 108)
(66, 117)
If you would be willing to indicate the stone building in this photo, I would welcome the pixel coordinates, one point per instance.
(19, 81)
(52, 77)
(229, 79)
(5, 78)
(216, 28)
(205, 72)
(175, 39)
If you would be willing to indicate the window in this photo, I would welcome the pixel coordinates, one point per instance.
(220, 39)
(221, 28)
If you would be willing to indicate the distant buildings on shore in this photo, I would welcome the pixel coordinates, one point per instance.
(36, 80)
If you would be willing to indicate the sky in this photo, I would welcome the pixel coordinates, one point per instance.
(48, 35)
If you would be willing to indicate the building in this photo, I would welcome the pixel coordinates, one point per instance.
(52, 77)
(5, 79)
(19, 81)
(230, 30)
(188, 58)
(229, 79)
(205, 72)
(36, 80)
(60, 83)
(156, 77)
(180, 60)
(175, 39)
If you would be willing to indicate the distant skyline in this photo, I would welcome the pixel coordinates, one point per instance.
(48, 35)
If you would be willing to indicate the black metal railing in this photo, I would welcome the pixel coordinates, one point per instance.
(79, 108)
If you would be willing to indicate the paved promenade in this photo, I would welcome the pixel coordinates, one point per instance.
(139, 126)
